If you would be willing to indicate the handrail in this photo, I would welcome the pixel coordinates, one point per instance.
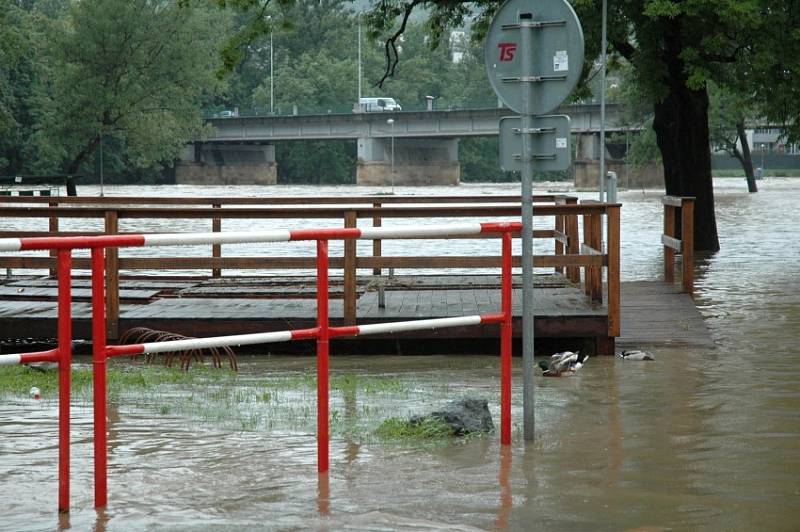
(683, 245)
(288, 200)
(323, 332)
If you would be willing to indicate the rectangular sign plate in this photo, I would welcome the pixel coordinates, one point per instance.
(550, 141)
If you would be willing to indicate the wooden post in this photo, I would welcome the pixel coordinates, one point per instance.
(112, 279)
(53, 228)
(376, 244)
(597, 243)
(587, 270)
(216, 249)
(350, 220)
(573, 247)
(613, 238)
(687, 243)
(669, 253)
(559, 228)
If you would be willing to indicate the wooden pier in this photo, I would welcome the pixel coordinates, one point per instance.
(581, 304)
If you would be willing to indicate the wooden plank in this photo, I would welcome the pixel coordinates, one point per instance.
(376, 244)
(672, 201)
(671, 242)
(669, 253)
(687, 236)
(216, 249)
(112, 279)
(77, 293)
(613, 271)
(350, 220)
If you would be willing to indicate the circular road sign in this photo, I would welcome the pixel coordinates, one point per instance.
(556, 53)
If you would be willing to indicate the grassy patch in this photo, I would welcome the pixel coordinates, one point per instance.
(359, 403)
(403, 429)
(18, 380)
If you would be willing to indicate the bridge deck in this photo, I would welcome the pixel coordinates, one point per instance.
(653, 313)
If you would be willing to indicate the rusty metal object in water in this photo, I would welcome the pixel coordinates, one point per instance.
(141, 335)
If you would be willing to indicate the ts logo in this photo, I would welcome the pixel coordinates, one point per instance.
(507, 50)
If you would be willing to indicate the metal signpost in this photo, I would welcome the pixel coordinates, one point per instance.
(534, 56)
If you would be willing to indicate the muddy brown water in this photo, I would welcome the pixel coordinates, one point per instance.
(697, 440)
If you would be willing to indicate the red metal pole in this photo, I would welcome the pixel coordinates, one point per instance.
(505, 344)
(322, 356)
(99, 374)
(64, 372)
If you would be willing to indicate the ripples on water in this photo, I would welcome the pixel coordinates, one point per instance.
(698, 439)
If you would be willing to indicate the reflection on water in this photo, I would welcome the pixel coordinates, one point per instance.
(698, 439)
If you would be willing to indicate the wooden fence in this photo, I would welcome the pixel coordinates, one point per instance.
(673, 206)
(571, 253)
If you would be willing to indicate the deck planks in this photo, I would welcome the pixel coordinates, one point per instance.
(652, 313)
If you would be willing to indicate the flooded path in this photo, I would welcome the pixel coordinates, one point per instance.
(697, 440)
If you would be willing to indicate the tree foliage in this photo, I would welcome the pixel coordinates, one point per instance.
(134, 72)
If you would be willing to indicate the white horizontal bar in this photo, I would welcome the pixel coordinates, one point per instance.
(217, 341)
(10, 244)
(10, 360)
(371, 233)
(416, 325)
(235, 237)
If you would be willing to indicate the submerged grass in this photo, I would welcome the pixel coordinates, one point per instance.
(363, 407)
(18, 380)
(404, 429)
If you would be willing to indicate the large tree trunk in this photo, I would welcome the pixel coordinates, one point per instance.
(747, 159)
(78, 160)
(681, 126)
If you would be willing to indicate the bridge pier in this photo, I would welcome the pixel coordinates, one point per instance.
(227, 164)
(586, 166)
(417, 161)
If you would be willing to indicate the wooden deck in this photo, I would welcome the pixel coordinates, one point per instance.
(653, 313)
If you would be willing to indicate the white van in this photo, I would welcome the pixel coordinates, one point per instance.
(371, 105)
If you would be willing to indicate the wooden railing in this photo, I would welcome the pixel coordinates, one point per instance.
(673, 206)
(571, 254)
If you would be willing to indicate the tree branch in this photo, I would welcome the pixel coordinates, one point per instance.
(390, 47)
(624, 48)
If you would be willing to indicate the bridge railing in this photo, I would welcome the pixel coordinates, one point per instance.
(580, 255)
(675, 206)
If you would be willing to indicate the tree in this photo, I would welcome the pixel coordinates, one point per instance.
(726, 120)
(134, 70)
(23, 148)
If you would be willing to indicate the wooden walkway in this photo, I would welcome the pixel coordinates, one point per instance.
(652, 313)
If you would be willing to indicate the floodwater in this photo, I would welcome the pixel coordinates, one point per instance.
(696, 440)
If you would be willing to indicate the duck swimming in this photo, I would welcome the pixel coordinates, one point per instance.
(636, 354)
(562, 364)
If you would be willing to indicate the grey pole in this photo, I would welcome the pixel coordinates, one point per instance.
(603, 46)
(391, 175)
(271, 73)
(359, 60)
(527, 234)
(101, 163)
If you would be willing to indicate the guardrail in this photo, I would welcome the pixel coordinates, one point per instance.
(322, 333)
(683, 245)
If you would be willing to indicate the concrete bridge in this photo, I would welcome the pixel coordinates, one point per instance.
(241, 149)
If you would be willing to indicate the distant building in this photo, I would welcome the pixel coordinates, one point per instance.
(458, 46)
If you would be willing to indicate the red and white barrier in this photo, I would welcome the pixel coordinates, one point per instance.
(323, 332)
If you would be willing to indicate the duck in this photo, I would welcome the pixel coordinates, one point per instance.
(562, 364)
(636, 354)
(44, 367)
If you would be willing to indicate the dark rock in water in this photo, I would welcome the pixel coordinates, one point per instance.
(464, 416)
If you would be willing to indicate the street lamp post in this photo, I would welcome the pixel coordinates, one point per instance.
(391, 159)
(359, 60)
(271, 68)
(102, 192)
(763, 149)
